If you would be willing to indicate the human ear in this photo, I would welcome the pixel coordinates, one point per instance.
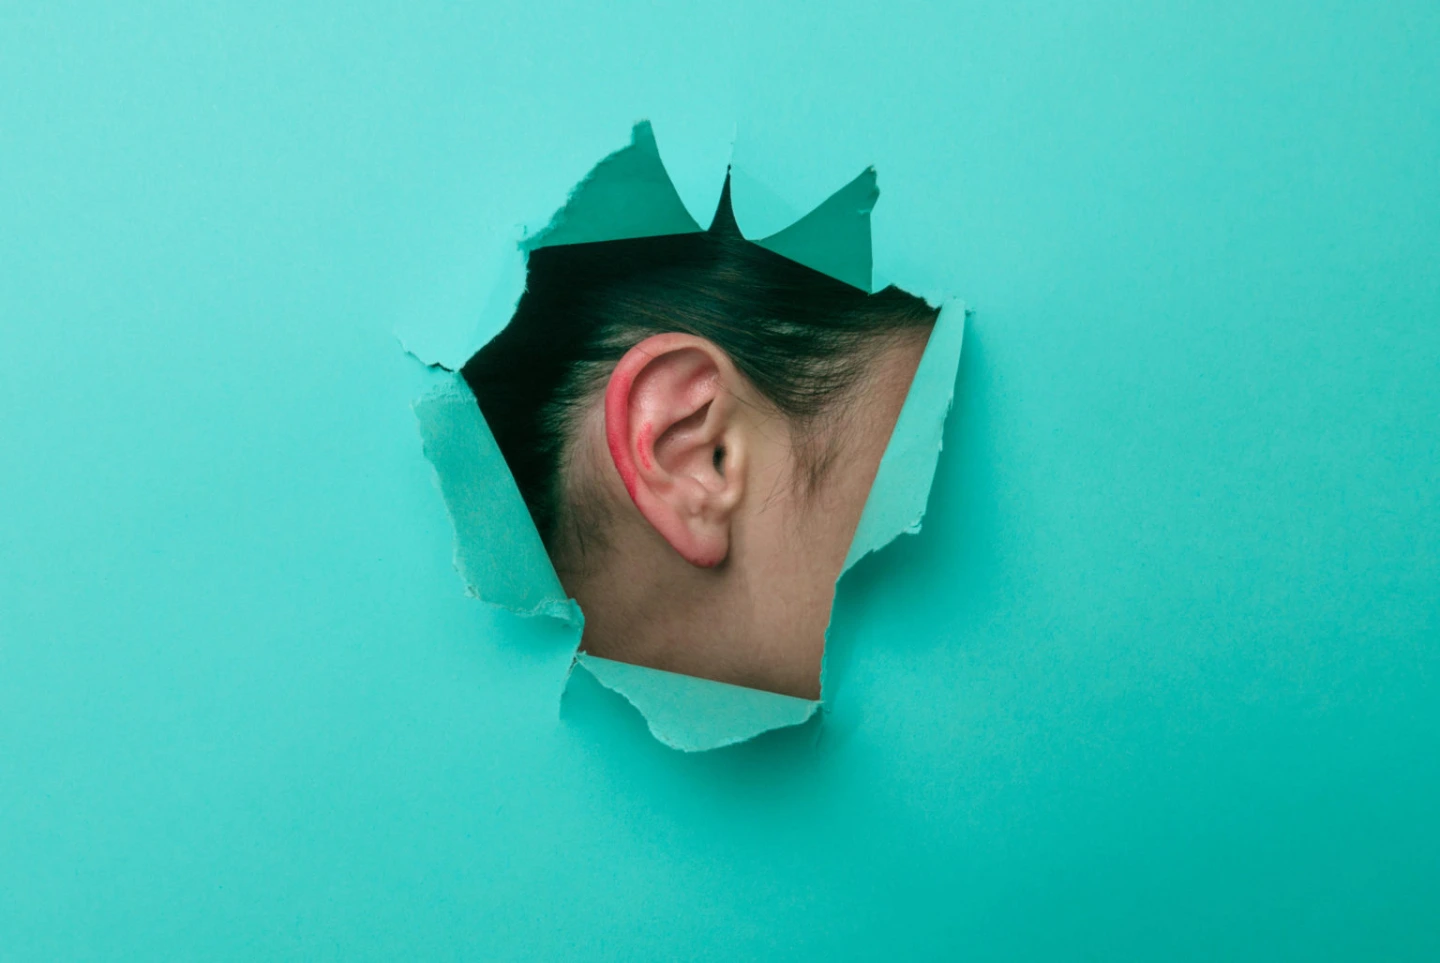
(671, 426)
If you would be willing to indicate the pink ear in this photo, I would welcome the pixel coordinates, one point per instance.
(665, 415)
(617, 421)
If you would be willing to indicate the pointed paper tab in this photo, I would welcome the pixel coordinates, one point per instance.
(696, 156)
(901, 489)
(626, 195)
(695, 715)
(498, 551)
(834, 238)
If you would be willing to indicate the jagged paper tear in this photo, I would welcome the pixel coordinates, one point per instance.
(693, 714)
(902, 483)
(498, 551)
(487, 509)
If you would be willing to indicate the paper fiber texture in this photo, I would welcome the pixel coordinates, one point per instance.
(498, 551)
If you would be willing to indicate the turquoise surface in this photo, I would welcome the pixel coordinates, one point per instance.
(1156, 680)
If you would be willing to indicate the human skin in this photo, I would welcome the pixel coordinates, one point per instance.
(718, 557)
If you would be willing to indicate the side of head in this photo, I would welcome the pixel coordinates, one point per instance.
(694, 423)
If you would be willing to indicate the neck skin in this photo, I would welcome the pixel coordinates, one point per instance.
(759, 618)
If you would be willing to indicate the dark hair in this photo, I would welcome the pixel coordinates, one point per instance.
(798, 335)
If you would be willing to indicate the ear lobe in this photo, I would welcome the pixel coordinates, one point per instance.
(670, 425)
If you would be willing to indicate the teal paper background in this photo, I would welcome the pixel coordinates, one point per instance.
(1157, 680)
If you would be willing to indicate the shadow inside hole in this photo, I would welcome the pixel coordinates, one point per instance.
(495, 471)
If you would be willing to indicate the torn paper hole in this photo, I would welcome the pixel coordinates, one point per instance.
(499, 550)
